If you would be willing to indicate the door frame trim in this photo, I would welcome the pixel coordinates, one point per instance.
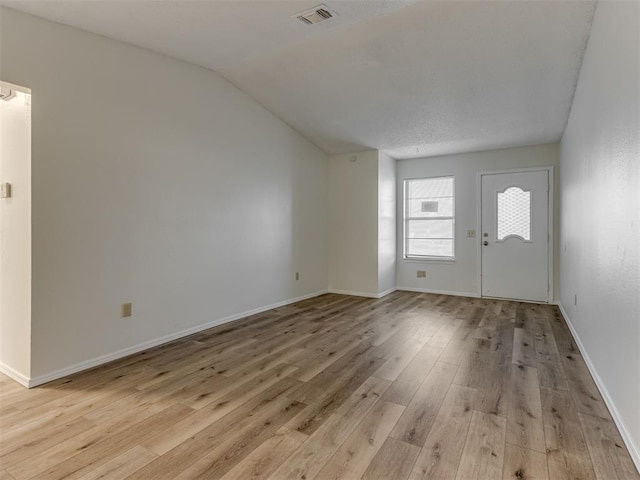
(550, 217)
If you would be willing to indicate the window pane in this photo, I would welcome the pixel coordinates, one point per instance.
(431, 187)
(430, 229)
(514, 213)
(429, 247)
(443, 207)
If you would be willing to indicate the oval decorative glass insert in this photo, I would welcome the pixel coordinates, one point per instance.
(514, 214)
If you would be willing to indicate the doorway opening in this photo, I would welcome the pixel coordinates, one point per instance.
(15, 231)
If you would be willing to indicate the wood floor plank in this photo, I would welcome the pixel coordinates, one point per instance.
(445, 333)
(567, 454)
(524, 420)
(32, 466)
(128, 403)
(331, 392)
(319, 363)
(14, 450)
(523, 348)
(442, 449)
(473, 313)
(561, 333)
(395, 460)
(203, 450)
(264, 359)
(341, 371)
(455, 350)
(428, 322)
(583, 389)
(486, 366)
(261, 463)
(610, 458)
(195, 359)
(51, 414)
(122, 466)
(416, 421)
(483, 452)
(129, 417)
(309, 459)
(475, 367)
(208, 415)
(407, 383)
(550, 371)
(356, 453)
(222, 386)
(240, 442)
(105, 450)
(405, 331)
(523, 463)
(391, 369)
(451, 304)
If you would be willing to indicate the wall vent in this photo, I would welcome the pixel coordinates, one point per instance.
(315, 15)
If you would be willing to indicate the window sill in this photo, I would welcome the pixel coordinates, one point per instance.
(429, 260)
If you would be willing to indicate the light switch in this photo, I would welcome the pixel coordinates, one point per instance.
(5, 190)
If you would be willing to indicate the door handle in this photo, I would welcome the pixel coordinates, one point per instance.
(485, 243)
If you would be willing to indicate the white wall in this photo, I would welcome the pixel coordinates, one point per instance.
(362, 224)
(386, 223)
(600, 212)
(155, 182)
(353, 223)
(460, 276)
(15, 237)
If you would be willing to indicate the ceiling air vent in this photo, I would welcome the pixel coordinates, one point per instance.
(315, 15)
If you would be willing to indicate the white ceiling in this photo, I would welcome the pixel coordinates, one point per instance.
(410, 77)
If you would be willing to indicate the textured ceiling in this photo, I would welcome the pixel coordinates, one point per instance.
(412, 78)
(215, 34)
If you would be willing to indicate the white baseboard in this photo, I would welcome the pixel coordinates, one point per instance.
(11, 373)
(440, 292)
(354, 294)
(78, 367)
(387, 292)
(633, 449)
(363, 294)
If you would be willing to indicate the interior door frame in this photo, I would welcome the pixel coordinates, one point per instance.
(550, 219)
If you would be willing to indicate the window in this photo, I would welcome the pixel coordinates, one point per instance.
(514, 214)
(429, 218)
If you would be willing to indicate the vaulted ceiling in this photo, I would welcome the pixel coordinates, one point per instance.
(412, 78)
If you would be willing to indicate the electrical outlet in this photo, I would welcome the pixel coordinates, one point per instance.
(125, 310)
(421, 274)
(575, 299)
(297, 275)
(471, 233)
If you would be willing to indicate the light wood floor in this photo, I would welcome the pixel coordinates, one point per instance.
(411, 386)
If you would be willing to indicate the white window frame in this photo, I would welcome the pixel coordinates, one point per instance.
(406, 219)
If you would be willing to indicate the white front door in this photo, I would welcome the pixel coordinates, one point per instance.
(515, 235)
